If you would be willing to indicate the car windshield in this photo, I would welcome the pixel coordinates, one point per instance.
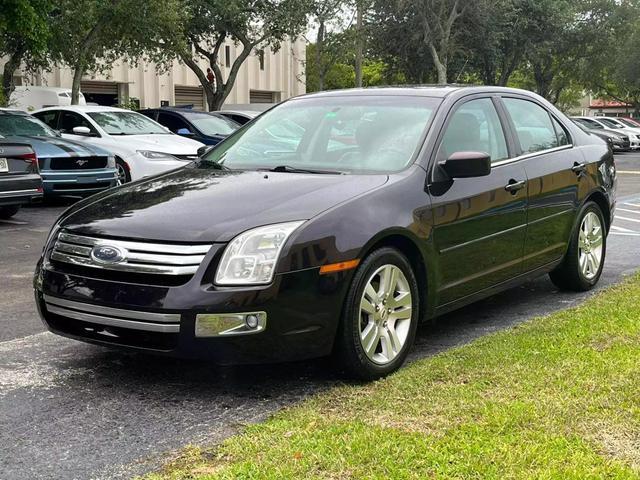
(127, 123)
(346, 134)
(610, 123)
(212, 124)
(24, 125)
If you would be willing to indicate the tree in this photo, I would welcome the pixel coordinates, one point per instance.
(89, 35)
(255, 25)
(23, 38)
(330, 45)
(437, 19)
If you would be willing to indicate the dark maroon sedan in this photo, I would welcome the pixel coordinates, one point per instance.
(334, 224)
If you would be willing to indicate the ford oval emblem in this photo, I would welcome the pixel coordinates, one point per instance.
(107, 254)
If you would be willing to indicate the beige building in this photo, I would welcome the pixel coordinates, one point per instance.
(267, 78)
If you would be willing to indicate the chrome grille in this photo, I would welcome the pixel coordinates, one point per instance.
(138, 257)
(114, 317)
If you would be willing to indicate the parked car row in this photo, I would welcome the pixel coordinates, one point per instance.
(621, 133)
(85, 149)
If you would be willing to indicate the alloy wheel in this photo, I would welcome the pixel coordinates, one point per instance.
(122, 174)
(590, 245)
(385, 314)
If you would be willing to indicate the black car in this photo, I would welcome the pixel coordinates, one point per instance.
(392, 207)
(20, 181)
(205, 127)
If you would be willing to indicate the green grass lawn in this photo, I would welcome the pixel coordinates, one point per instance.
(557, 397)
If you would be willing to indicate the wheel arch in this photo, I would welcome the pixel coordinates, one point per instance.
(600, 199)
(409, 245)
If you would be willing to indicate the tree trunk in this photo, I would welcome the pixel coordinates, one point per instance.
(319, 52)
(359, 46)
(441, 65)
(75, 86)
(7, 74)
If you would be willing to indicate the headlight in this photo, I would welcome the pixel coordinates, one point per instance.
(111, 162)
(156, 155)
(251, 257)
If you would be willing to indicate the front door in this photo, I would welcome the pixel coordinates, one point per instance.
(479, 223)
(554, 170)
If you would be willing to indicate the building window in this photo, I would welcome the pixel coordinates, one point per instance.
(227, 56)
(261, 59)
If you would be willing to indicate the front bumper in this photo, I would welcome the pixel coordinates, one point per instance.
(302, 310)
(78, 182)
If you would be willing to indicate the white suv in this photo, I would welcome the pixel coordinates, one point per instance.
(141, 146)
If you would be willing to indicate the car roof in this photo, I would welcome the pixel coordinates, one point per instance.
(85, 108)
(438, 91)
(248, 113)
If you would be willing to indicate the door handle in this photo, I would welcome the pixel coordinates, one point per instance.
(578, 168)
(513, 186)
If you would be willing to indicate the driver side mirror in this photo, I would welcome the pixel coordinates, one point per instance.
(84, 131)
(467, 164)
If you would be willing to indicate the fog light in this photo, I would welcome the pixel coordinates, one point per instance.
(227, 324)
(252, 321)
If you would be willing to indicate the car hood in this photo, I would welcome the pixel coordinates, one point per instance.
(56, 147)
(200, 205)
(169, 143)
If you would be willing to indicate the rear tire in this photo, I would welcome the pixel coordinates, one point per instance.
(9, 211)
(380, 316)
(583, 263)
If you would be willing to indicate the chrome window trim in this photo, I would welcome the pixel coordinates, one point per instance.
(531, 155)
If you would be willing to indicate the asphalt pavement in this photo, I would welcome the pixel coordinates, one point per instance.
(74, 411)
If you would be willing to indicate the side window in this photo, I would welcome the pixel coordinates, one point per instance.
(561, 133)
(533, 125)
(48, 117)
(70, 120)
(475, 127)
(172, 122)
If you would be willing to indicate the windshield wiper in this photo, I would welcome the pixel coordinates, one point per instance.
(290, 169)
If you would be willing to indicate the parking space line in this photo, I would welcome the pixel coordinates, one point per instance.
(627, 210)
(628, 172)
(621, 229)
(625, 234)
(632, 204)
(628, 219)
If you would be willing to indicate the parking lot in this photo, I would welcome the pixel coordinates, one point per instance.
(70, 410)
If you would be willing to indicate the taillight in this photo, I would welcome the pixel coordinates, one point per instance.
(30, 158)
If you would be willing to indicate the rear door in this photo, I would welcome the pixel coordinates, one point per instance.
(479, 223)
(554, 170)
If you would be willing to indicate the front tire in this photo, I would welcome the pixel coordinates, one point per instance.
(583, 263)
(124, 175)
(380, 316)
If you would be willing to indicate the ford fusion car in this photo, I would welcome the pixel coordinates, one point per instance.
(333, 243)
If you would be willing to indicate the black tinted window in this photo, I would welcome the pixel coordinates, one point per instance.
(50, 118)
(172, 122)
(475, 127)
(70, 120)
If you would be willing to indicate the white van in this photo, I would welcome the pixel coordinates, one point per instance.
(34, 98)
